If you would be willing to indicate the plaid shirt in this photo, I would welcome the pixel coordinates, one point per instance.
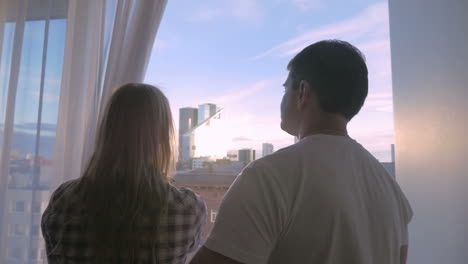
(180, 229)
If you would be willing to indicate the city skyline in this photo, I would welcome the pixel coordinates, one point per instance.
(197, 134)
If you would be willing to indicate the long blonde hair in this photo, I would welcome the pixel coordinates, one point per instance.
(126, 179)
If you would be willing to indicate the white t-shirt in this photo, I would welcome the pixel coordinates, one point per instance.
(324, 200)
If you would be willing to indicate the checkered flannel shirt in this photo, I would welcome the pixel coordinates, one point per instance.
(180, 229)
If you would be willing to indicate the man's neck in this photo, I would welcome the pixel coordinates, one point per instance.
(330, 125)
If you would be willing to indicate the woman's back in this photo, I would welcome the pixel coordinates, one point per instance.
(68, 232)
(123, 209)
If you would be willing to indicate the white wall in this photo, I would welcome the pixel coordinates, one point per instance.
(429, 45)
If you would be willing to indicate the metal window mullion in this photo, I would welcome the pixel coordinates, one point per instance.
(36, 168)
(2, 32)
(41, 96)
(9, 118)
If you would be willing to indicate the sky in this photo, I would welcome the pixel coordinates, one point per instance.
(234, 53)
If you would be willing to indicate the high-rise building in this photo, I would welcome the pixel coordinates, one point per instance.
(393, 153)
(188, 118)
(246, 155)
(206, 111)
(267, 149)
(389, 167)
(26, 200)
(198, 141)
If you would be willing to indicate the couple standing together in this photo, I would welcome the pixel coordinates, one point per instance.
(323, 200)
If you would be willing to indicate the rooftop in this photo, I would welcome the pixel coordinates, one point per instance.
(215, 174)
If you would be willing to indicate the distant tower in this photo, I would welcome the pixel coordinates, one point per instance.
(205, 111)
(188, 118)
(246, 155)
(267, 149)
(393, 153)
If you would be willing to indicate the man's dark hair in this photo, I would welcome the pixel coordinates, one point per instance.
(337, 72)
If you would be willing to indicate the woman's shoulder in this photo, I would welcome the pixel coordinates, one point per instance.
(55, 210)
(64, 192)
(186, 199)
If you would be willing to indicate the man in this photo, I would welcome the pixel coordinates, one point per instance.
(324, 199)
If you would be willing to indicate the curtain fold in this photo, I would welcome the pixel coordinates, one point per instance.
(108, 44)
(20, 8)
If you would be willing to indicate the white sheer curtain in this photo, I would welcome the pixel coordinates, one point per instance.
(108, 44)
(60, 61)
(28, 63)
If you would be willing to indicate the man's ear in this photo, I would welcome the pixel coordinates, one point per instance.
(303, 94)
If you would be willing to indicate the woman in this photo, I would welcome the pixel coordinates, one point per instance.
(123, 209)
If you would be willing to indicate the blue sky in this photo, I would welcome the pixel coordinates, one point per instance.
(234, 53)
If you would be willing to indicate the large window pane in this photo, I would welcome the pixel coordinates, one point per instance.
(27, 105)
(5, 64)
(50, 99)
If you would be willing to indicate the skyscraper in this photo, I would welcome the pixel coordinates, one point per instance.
(188, 118)
(267, 149)
(246, 155)
(26, 200)
(198, 140)
(393, 152)
(206, 111)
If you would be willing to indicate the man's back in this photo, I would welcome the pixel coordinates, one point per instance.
(322, 200)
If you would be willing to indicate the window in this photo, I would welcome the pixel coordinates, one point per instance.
(5, 62)
(20, 230)
(225, 62)
(36, 207)
(43, 254)
(213, 215)
(16, 230)
(20, 207)
(35, 230)
(16, 253)
(34, 254)
(33, 142)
